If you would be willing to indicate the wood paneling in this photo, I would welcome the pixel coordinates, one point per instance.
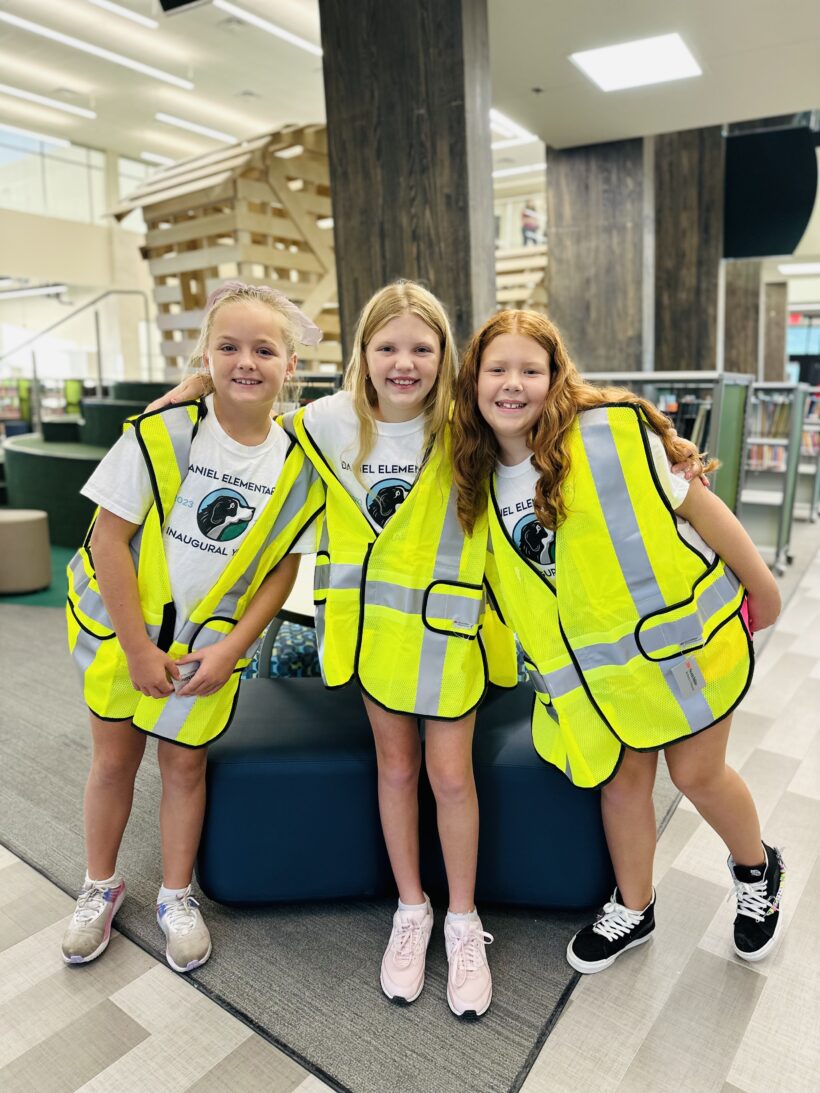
(742, 323)
(775, 315)
(595, 198)
(407, 89)
(689, 181)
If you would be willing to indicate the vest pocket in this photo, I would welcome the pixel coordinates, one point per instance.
(687, 626)
(453, 609)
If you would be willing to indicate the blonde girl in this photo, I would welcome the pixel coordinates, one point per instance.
(634, 595)
(203, 511)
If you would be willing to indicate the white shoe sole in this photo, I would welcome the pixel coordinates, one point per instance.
(70, 960)
(468, 1014)
(592, 966)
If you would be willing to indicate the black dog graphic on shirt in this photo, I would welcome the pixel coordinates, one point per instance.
(385, 498)
(534, 545)
(222, 512)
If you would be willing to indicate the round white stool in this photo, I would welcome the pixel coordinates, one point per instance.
(25, 557)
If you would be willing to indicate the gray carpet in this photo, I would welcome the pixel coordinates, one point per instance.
(304, 976)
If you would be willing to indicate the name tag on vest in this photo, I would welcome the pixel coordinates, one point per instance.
(688, 676)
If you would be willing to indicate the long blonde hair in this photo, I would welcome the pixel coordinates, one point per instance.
(401, 298)
(475, 448)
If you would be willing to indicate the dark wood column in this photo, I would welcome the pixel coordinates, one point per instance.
(775, 322)
(407, 87)
(743, 320)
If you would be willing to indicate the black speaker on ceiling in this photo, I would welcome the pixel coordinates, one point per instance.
(171, 7)
(771, 185)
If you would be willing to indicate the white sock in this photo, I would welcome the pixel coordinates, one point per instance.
(110, 882)
(462, 916)
(166, 895)
(413, 906)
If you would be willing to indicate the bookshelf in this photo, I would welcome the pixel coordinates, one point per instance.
(708, 408)
(807, 497)
(771, 467)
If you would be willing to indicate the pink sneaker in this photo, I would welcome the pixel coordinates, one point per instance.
(89, 931)
(402, 974)
(469, 983)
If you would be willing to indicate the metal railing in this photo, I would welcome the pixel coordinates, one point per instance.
(29, 342)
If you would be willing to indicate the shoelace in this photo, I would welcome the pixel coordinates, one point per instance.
(90, 905)
(751, 899)
(616, 920)
(467, 954)
(407, 942)
(181, 914)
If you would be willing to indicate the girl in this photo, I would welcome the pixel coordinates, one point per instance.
(399, 609)
(194, 548)
(615, 576)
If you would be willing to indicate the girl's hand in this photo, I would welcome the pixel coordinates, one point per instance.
(192, 387)
(150, 669)
(764, 606)
(216, 664)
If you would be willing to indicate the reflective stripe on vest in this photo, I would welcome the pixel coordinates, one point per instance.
(165, 439)
(402, 611)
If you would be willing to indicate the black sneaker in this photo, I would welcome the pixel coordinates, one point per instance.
(615, 930)
(759, 889)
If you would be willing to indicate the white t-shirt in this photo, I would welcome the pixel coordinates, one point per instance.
(515, 490)
(220, 498)
(390, 468)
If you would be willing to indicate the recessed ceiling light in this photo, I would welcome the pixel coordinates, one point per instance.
(636, 64)
(161, 161)
(528, 169)
(805, 269)
(37, 290)
(513, 142)
(32, 135)
(271, 28)
(43, 100)
(95, 51)
(126, 13)
(193, 127)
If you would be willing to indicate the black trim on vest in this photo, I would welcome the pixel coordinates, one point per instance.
(167, 627)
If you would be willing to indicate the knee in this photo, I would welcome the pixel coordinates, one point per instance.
(399, 772)
(451, 783)
(694, 779)
(628, 787)
(183, 773)
(114, 769)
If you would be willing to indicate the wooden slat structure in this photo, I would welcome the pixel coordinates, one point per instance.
(253, 211)
(260, 210)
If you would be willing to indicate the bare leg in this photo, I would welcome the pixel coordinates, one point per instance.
(398, 756)
(117, 753)
(698, 769)
(449, 754)
(181, 809)
(629, 822)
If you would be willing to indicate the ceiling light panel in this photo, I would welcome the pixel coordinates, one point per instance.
(265, 24)
(798, 269)
(125, 13)
(160, 161)
(638, 64)
(58, 142)
(37, 290)
(95, 51)
(193, 127)
(43, 100)
(527, 169)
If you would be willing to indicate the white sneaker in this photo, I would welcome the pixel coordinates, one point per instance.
(88, 933)
(469, 983)
(189, 943)
(402, 974)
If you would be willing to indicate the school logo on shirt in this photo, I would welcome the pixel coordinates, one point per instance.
(223, 515)
(385, 497)
(533, 541)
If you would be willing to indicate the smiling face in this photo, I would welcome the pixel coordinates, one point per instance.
(513, 381)
(402, 360)
(247, 355)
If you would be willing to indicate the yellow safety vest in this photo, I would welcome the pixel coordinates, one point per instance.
(639, 634)
(165, 438)
(404, 612)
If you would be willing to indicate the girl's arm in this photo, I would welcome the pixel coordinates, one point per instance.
(728, 538)
(217, 662)
(148, 666)
(192, 387)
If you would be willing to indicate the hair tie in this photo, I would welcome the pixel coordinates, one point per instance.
(305, 331)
